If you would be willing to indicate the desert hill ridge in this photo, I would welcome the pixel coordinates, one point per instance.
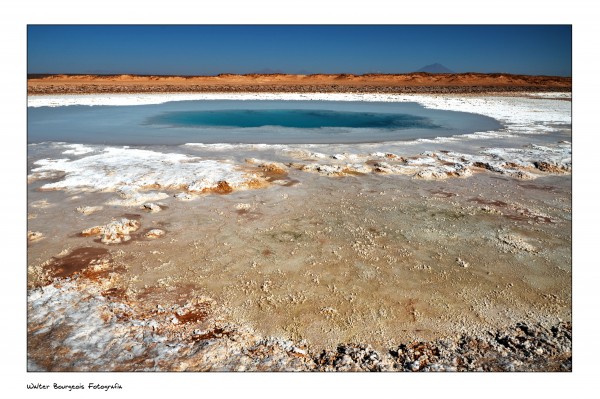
(372, 82)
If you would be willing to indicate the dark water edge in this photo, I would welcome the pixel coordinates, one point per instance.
(291, 118)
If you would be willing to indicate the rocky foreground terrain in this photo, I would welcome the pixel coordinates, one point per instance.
(344, 83)
(522, 348)
(120, 336)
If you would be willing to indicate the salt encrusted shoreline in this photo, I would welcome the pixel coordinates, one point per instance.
(138, 176)
(158, 98)
(129, 171)
(120, 170)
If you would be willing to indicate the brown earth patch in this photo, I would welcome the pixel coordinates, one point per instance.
(199, 313)
(134, 216)
(540, 187)
(267, 252)
(483, 201)
(442, 193)
(525, 215)
(115, 293)
(216, 333)
(78, 260)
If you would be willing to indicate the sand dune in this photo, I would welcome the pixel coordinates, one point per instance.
(405, 83)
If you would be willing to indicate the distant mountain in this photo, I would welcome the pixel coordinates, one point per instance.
(435, 68)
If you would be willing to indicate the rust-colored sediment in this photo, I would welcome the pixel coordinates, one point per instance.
(198, 314)
(78, 260)
(222, 188)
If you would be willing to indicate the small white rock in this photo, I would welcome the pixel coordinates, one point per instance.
(155, 233)
(88, 210)
(243, 207)
(152, 207)
(183, 196)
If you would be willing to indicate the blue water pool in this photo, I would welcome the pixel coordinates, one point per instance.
(294, 118)
(250, 121)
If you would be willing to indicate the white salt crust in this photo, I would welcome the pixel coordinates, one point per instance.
(131, 171)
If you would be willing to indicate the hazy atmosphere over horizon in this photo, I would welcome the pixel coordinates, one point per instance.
(297, 49)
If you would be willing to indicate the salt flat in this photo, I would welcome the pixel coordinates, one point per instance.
(313, 245)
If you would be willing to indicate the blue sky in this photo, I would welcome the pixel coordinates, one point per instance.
(358, 49)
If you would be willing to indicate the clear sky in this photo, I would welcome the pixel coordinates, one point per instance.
(357, 49)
